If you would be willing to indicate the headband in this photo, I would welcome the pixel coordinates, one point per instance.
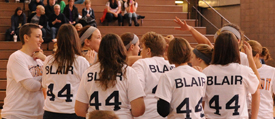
(228, 28)
(134, 41)
(202, 56)
(87, 33)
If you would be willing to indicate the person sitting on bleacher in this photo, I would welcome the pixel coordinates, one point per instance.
(130, 12)
(71, 12)
(113, 11)
(34, 4)
(56, 20)
(49, 8)
(39, 18)
(88, 15)
(17, 20)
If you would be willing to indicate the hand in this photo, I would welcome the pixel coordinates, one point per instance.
(74, 22)
(247, 49)
(12, 32)
(168, 38)
(90, 56)
(116, 14)
(70, 22)
(39, 55)
(40, 26)
(198, 68)
(183, 25)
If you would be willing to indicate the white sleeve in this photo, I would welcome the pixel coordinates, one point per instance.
(135, 89)
(84, 65)
(31, 84)
(125, 5)
(250, 81)
(164, 89)
(273, 83)
(19, 69)
(119, 4)
(44, 72)
(82, 95)
(136, 5)
(138, 67)
(108, 4)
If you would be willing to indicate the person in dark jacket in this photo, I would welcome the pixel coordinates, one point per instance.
(49, 8)
(34, 4)
(56, 20)
(71, 12)
(17, 20)
(39, 18)
(88, 14)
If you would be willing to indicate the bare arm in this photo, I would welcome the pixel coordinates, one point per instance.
(200, 38)
(80, 108)
(138, 107)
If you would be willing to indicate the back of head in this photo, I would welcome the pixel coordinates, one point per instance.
(26, 29)
(179, 51)
(99, 114)
(127, 38)
(67, 46)
(155, 42)
(112, 58)
(226, 49)
(204, 50)
(258, 49)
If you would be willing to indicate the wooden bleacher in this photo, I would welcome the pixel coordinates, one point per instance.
(159, 15)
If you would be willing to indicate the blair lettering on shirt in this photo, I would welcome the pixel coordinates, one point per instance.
(155, 68)
(180, 82)
(94, 76)
(49, 69)
(232, 80)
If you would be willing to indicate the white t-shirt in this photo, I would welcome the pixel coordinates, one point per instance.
(113, 10)
(126, 5)
(115, 98)
(184, 88)
(244, 60)
(149, 71)
(62, 88)
(267, 89)
(20, 102)
(226, 90)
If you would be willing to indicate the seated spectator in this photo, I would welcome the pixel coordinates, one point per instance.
(113, 11)
(17, 20)
(49, 8)
(56, 20)
(130, 12)
(62, 5)
(71, 12)
(88, 14)
(34, 4)
(39, 18)
(101, 114)
(78, 27)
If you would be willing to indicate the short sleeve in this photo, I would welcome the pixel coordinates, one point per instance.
(125, 5)
(135, 89)
(44, 73)
(138, 67)
(84, 65)
(164, 89)
(136, 5)
(273, 82)
(82, 95)
(119, 3)
(251, 81)
(108, 4)
(19, 69)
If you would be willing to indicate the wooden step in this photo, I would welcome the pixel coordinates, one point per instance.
(146, 2)
(9, 12)
(145, 29)
(3, 64)
(3, 74)
(165, 22)
(2, 36)
(10, 45)
(6, 53)
(152, 7)
(13, 6)
(2, 95)
(3, 84)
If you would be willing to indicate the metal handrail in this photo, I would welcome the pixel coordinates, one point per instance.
(216, 12)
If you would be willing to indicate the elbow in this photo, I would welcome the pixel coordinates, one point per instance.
(138, 112)
(80, 113)
(80, 108)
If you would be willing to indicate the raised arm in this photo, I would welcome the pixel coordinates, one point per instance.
(200, 38)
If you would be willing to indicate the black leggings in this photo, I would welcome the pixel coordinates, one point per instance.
(52, 115)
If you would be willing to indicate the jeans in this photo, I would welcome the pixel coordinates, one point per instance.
(131, 15)
(110, 17)
(54, 32)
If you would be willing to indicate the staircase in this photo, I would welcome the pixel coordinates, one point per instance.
(159, 18)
